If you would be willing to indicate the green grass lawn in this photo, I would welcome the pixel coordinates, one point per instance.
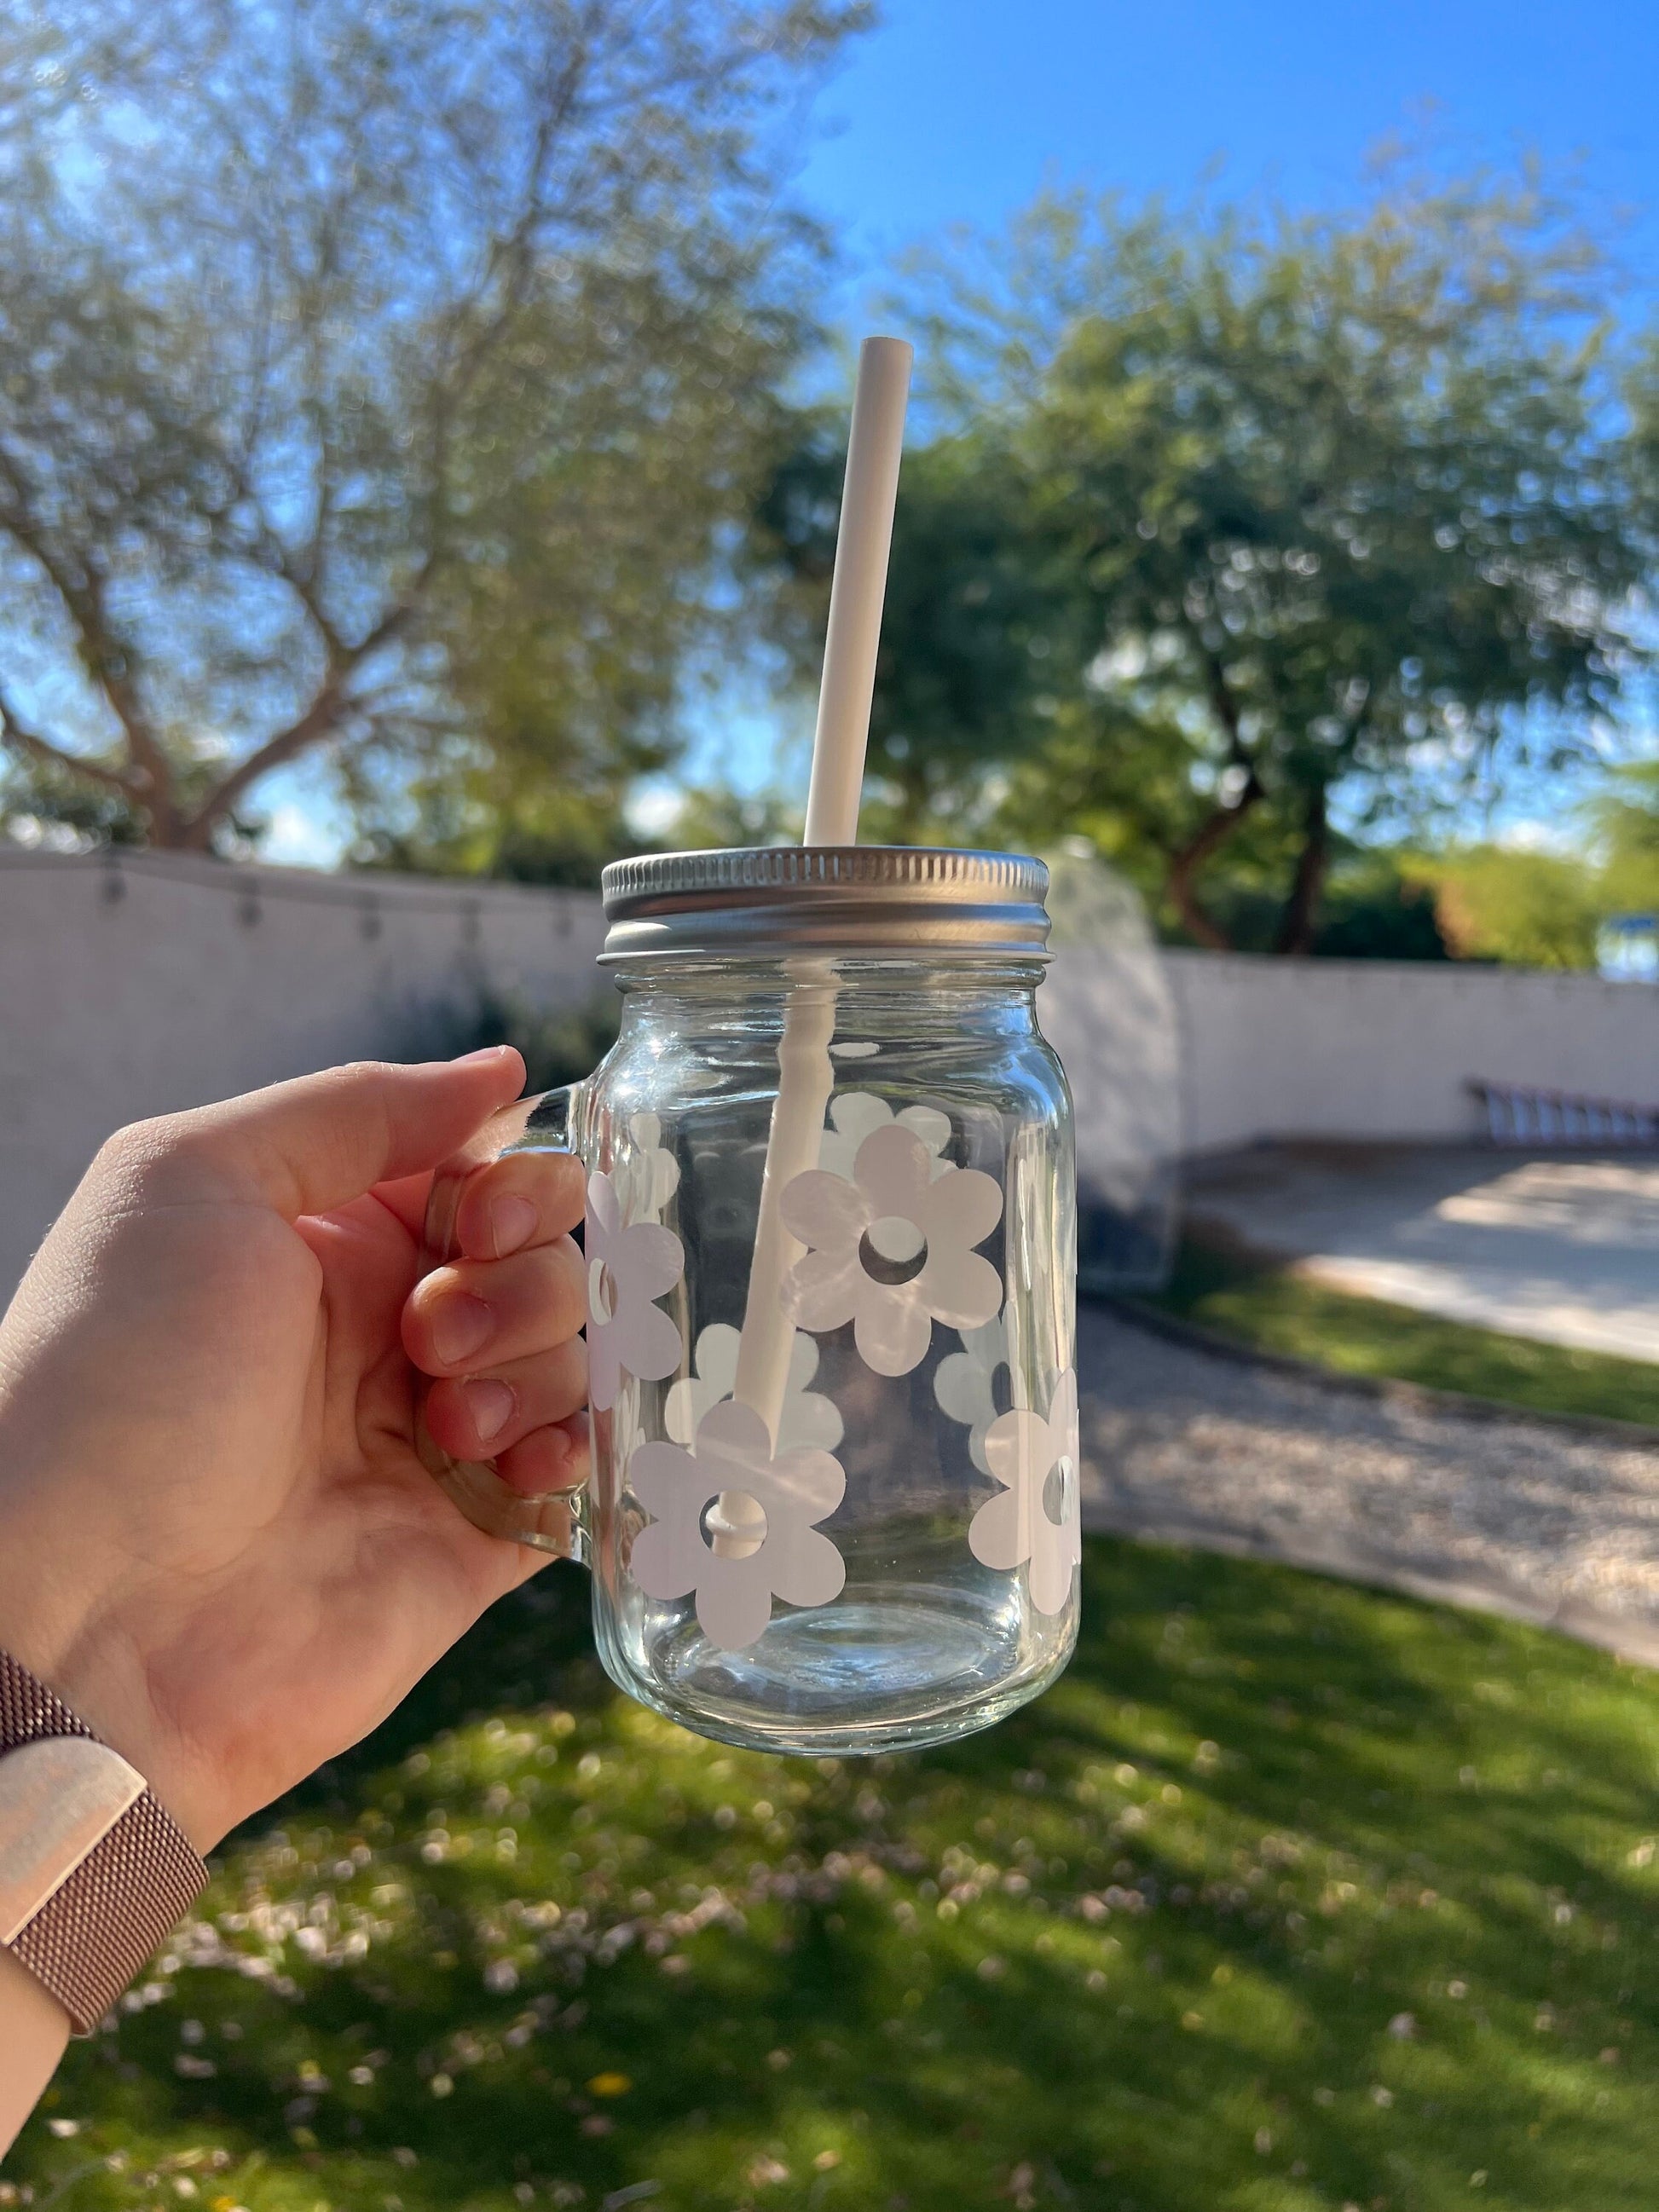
(1289, 1898)
(1278, 1312)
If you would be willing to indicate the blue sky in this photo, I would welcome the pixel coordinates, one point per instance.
(960, 110)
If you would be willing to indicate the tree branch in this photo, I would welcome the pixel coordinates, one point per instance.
(100, 651)
(332, 702)
(1225, 708)
(1219, 825)
(1213, 832)
(506, 265)
(30, 743)
(1296, 926)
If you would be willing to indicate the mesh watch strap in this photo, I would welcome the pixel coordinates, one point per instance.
(114, 1909)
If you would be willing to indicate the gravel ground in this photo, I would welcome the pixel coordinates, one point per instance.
(1521, 1516)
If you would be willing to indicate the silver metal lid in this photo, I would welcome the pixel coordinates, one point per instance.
(857, 901)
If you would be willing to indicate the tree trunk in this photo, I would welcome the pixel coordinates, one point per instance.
(1301, 915)
(165, 830)
(192, 833)
(1184, 865)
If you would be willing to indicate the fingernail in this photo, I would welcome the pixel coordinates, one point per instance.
(460, 1326)
(484, 1052)
(512, 1223)
(490, 1403)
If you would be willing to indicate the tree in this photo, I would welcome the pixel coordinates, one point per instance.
(380, 377)
(1348, 499)
(1529, 909)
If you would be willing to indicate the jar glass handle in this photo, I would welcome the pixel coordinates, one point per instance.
(553, 1520)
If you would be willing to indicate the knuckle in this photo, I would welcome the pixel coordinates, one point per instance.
(360, 1086)
(139, 1150)
(365, 1074)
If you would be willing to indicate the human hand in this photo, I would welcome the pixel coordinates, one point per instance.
(217, 1543)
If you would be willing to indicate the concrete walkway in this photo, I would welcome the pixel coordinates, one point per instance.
(1562, 1248)
(1517, 1516)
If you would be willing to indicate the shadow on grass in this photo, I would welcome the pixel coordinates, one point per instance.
(1278, 1312)
(1288, 1895)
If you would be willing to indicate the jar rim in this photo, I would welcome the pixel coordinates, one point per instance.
(827, 899)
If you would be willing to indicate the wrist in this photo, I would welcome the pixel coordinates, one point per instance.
(33, 2031)
(93, 1871)
(65, 1607)
(103, 1679)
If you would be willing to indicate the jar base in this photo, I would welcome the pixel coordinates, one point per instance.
(895, 1669)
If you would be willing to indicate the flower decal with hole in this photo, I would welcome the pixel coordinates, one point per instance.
(1035, 1521)
(891, 1249)
(736, 1524)
(855, 1114)
(808, 1416)
(965, 1383)
(630, 1267)
(646, 1173)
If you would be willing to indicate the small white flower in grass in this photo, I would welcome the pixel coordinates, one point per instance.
(1028, 1523)
(808, 1416)
(782, 1554)
(856, 1115)
(965, 1383)
(628, 1268)
(646, 1173)
(892, 1249)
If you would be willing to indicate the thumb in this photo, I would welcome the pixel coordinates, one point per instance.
(322, 1140)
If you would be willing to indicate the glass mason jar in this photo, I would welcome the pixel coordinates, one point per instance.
(833, 1504)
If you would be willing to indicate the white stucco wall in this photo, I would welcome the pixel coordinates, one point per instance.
(1375, 1049)
(142, 984)
(139, 985)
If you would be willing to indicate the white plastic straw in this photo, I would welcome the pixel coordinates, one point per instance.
(806, 1073)
(856, 593)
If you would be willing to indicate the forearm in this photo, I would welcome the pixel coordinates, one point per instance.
(34, 2034)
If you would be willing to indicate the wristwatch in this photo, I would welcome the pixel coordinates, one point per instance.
(93, 1871)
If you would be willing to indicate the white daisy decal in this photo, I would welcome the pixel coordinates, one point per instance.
(761, 1508)
(892, 1249)
(808, 1418)
(855, 1114)
(628, 1268)
(1035, 1522)
(645, 1172)
(965, 1383)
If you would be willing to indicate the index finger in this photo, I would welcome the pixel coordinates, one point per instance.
(521, 1200)
(318, 1142)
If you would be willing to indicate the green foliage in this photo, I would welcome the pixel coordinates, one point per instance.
(1529, 909)
(1329, 504)
(1288, 1896)
(384, 389)
(1279, 1311)
(40, 801)
(711, 819)
(475, 817)
(1375, 909)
